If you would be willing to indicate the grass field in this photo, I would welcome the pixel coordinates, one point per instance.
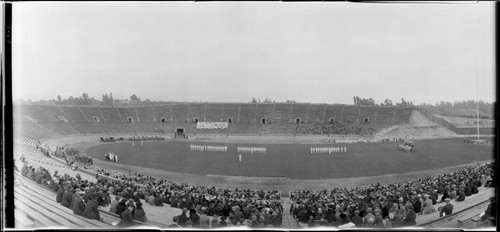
(294, 161)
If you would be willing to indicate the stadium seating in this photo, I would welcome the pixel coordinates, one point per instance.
(299, 111)
(162, 112)
(110, 114)
(91, 112)
(36, 112)
(214, 113)
(334, 112)
(33, 131)
(197, 110)
(264, 110)
(89, 128)
(229, 111)
(280, 117)
(369, 113)
(385, 114)
(282, 111)
(127, 113)
(350, 114)
(180, 113)
(117, 128)
(316, 113)
(247, 113)
(54, 112)
(145, 114)
(403, 115)
(61, 128)
(75, 114)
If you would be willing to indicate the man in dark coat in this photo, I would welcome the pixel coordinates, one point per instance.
(60, 193)
(91, 210)
(78, 205)
(126, 217)
(447, 209)
(122, 206)
(66, 199)
(183, 218)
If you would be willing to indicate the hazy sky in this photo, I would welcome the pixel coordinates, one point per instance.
(231, 52)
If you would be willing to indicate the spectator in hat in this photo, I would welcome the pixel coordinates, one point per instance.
(447, 209)
(78, 205)
(126, 217)
(91, 210)
(357, 220)
(139, 213)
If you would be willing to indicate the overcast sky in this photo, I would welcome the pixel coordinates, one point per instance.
(231, 52)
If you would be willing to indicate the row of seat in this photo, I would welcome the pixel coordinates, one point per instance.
(211, 112)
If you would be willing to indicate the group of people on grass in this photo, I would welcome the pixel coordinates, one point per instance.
(392, 205)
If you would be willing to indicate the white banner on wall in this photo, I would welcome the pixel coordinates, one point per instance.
(211, 125)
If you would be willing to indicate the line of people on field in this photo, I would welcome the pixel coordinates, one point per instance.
(329, 150)
(203, 148)
(252, 150)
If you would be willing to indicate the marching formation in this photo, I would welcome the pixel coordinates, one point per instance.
(208, 148)
(252, 150)
(329, 150)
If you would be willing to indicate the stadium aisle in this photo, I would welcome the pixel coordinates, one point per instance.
(288, 221)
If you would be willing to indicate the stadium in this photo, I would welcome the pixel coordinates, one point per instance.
(199, 144)
(208, 115)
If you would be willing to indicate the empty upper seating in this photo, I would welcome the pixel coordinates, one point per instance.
(368, 112)
(127, 114)
(385, 114)
(282, 110)
(299, 111)
(230, 111)
(214, 113)
(247, 113)
(316, 113)
(92, 113)
(333, 112)
(180, 112)
(74, 114)
(162, 112)
(145, 114)
(197, 110)
(110, 114)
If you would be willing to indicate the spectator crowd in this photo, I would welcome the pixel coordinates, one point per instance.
(393, 205)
